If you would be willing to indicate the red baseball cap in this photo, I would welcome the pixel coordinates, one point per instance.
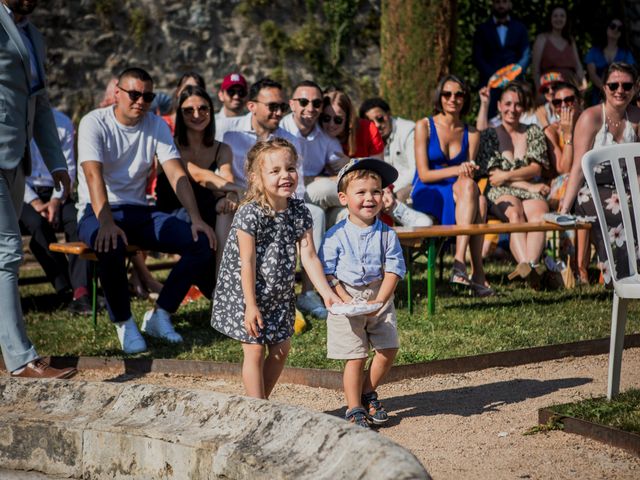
(232, 80)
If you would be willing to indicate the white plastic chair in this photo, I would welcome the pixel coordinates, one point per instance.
(623, 159)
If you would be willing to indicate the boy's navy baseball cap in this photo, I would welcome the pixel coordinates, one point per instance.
(387, 172)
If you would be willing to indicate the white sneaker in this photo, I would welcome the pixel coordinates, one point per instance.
(130, 338)
(409, 217)
(157, 323)
(311, 303)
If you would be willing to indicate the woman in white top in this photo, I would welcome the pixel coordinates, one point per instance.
(614, 121)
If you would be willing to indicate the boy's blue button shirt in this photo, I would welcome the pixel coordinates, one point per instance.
(354, 254)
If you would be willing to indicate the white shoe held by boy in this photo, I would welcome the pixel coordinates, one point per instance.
(157, 323)
(408, 217)
(130, 338)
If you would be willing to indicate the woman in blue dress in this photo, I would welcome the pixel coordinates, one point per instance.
(611, 47)
(444, 185)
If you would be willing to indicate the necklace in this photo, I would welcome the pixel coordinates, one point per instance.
(610, 123)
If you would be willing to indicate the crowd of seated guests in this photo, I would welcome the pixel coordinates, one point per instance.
(516, 165)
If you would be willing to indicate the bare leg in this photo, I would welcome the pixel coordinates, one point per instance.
(253, 370)
(352, 381)
(274, 364)
(510, 208)
(534, 210)
(465, 195)
(583, 253)
(380, 366)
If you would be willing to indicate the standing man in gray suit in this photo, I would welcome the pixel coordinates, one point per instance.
(24, 113)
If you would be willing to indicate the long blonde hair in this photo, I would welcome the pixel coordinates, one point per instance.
(255, 160)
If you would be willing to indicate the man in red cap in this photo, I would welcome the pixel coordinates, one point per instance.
(233, 95)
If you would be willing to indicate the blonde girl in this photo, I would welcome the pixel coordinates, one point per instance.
(254, 301)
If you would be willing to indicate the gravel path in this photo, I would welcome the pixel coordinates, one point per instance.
(471, 425)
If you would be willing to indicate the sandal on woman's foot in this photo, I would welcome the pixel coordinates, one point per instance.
(534, 279)
(459, 278)
(480, 290)
(522, 270)
(357, 416)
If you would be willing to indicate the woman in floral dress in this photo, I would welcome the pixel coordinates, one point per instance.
(614, 121)
(513, 156)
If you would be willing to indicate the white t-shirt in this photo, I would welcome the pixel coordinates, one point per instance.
(240, 136)
(318, 148)
(126, 154)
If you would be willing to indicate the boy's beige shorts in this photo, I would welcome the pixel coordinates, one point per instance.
(350, 337)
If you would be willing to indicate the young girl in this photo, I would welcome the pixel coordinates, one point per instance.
(254, 301)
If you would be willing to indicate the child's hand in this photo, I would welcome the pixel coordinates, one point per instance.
(331, 299)
(253, 322)
(376, 300)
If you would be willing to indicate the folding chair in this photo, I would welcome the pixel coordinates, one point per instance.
(623, 159)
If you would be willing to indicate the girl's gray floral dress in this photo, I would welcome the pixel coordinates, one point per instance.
(275, 236)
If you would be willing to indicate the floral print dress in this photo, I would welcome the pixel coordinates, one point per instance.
(489, 157)
(275, 236)
(584, 206)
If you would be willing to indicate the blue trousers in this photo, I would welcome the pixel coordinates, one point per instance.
(153, 230)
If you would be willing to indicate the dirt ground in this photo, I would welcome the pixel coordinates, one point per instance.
(471, 425)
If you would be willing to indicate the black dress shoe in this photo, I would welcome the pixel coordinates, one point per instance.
(80, 306)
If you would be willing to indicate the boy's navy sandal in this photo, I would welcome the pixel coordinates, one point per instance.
(357, 416)
(375, 411)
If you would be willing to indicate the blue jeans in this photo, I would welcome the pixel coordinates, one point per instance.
(153, 230)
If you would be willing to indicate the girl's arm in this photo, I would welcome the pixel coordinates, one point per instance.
(538, 47)
(499, 177)
(252, 317)
(594, 77)
(541, 188)
(212, 181)
(482, 121)
(313, 267)
(581, 81)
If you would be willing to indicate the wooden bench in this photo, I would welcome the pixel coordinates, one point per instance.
(414, 238)
(84, 251)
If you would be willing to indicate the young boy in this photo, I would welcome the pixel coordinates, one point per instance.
(362, 260)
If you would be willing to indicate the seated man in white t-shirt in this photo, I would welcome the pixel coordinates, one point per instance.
(116, 149)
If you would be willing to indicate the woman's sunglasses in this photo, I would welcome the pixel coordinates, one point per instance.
(134, 95)
(616, 27)
(569, 101)
(315, 103)
(626, 86)
(327, 118)
(202, 110)
(458, 95)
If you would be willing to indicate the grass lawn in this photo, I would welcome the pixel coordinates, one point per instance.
(622, 412)
(517, 318)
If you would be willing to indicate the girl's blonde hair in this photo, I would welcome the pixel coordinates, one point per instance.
(348, 135)
(255, 160)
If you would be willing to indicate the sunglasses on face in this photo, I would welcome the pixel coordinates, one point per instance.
(379, 119)
(240, 92)
(626, 86)
(447, 95)
(315, 103)
(569, 101)
(328, 118)
(202, 110)
(616, 27)
(275, 106)
(134, 95)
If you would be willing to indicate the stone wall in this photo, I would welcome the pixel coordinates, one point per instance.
(89, 41)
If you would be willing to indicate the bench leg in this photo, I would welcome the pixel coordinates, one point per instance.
(94, 294)
(431, 277)
(408, 251)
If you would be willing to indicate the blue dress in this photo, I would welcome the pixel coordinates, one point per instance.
(436, 199)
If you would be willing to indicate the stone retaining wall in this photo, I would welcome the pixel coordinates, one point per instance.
(102, 430)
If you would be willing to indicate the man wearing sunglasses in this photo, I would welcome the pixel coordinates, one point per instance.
(233, 95)
(24, 114)
(116, 150)
(397, 134)
(322, 156)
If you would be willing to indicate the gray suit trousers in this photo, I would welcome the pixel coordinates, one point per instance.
(17, 349)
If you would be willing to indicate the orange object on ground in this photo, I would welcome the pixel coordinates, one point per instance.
(192, 295)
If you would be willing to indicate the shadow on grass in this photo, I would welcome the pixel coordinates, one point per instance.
(468, 401)
(43, 302)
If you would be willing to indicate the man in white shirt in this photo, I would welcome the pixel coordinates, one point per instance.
(45, 212)
(233, 95)
(399, 150)
(321, 155)
(116, 150)
(266, 107)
